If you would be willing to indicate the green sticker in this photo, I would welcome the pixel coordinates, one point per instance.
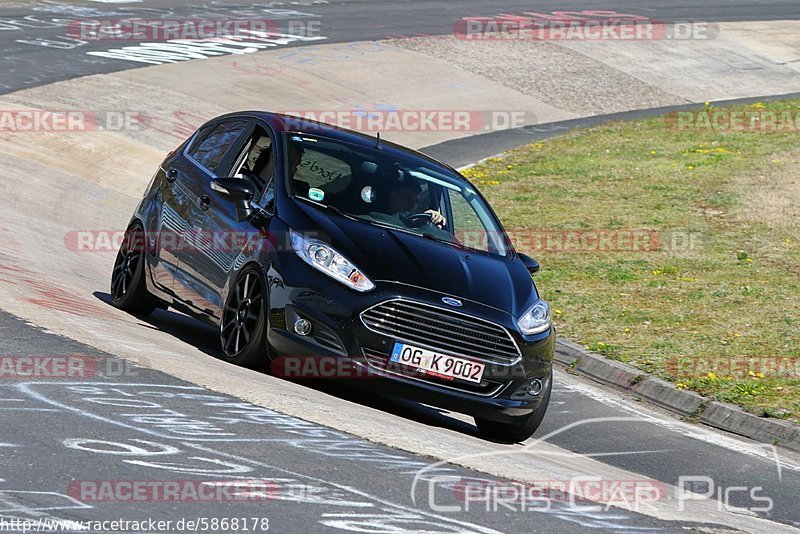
(316, 194)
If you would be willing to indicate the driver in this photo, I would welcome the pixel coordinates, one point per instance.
(263, 168)
(404, 197)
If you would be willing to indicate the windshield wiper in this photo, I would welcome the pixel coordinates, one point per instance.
(428, 235)
(332, 209)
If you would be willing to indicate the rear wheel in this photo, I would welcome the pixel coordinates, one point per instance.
(128, 285)
(521, 430)
(243, 328)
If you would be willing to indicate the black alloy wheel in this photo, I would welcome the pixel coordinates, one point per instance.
(243, 327)
(128, 286)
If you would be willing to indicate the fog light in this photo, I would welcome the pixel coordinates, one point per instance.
(302, 327)
(534, 387)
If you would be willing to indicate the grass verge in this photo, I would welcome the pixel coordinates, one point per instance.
(671, 245)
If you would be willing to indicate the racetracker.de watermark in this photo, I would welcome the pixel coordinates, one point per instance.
(410, 120)
(588, 241)
(727, 120)
(76, 120)
(160, 30)
(381, 120)
(598, 240)
(41, 367)
(173, 490)
(64, 367)
(734, 366)
(32, 120)
(616, 27)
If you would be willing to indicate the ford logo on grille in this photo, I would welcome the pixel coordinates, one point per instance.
(451, 301)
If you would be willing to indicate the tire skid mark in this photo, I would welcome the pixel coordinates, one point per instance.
(47, 294)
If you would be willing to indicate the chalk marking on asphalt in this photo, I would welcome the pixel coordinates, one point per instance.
(27, 388)
(601, 520)
(339, 486)
(292, 489)
(337, 445)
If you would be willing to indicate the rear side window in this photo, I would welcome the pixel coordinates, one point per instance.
(211, 152)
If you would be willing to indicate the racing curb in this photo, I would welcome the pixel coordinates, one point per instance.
(730, 418)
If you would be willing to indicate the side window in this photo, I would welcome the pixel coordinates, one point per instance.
(211, 152)
(466, 225)
(256, 162)
(268, 201)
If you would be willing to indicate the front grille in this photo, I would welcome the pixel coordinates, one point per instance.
(442, 330)
(382, 361)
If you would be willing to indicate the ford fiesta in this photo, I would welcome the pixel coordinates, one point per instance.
(301, 240)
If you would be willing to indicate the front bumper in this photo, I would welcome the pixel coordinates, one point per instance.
(361, 355)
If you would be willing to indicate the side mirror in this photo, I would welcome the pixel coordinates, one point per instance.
(239, 191)
(531, 264)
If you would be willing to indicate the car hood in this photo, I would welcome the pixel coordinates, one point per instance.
(386, 255)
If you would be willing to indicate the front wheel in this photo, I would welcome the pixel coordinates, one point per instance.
(244, 324)
(128, 285)
(521, 430)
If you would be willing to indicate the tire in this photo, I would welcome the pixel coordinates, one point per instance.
(128, 285)
(243, 327)
(517, 432)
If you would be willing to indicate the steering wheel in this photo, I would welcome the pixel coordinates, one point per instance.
(415, 220)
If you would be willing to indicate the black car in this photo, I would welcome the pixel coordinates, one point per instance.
(302, 240)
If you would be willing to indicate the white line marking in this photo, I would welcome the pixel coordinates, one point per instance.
(4, 497)
(29, 410)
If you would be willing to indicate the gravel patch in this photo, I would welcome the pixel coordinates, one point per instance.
(551, 73)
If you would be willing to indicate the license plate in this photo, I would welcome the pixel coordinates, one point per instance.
(432, 363)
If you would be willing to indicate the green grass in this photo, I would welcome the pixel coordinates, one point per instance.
(722, 285)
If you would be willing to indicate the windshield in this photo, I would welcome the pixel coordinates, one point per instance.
(403, 193)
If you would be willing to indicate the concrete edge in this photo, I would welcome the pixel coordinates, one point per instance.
(467, 151)
(666, 395)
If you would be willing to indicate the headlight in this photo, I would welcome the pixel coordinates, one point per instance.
(536, 319)
(323, 257)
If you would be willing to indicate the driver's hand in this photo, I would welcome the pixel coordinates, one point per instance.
(437, 218)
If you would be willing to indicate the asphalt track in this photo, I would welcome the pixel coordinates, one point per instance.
(38, 47)
(324, 478)
(121, 423)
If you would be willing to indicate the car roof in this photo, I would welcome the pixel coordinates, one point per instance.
(290, 123)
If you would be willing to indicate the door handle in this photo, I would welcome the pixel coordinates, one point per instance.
(172, 175)
(205, 202)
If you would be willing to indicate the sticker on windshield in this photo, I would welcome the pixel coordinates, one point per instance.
(316, 194)
(368, 194)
